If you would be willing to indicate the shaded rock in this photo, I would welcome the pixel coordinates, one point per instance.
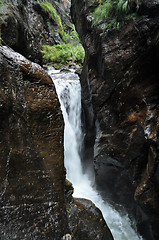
(32, 175)
(31, 144)
(119, 91)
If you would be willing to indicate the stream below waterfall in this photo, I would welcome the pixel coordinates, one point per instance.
(68, 88)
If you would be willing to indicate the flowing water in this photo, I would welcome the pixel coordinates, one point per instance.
(69, 92)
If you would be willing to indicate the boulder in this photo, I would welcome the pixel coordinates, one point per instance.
(86, 221)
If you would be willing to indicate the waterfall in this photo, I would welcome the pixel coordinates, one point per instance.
(69, 92)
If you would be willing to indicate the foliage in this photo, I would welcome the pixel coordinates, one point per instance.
(111, 12)
(3, 8)
(66, 36)
(74, 35)
(64, 53)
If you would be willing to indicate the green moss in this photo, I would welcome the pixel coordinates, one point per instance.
(48, 7)
(63, 53)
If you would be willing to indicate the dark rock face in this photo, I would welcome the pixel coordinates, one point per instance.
(120, 80)
(63, 9)
(25, 27)
(31, 143)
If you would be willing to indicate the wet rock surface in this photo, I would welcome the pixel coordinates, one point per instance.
(33, 192)
(36, 203)
(31, 144)
(85, 220)
(120, 97)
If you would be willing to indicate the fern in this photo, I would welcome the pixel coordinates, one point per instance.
(102, 12)
(111, 12)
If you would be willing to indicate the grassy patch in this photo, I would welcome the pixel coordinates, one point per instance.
(63, 53)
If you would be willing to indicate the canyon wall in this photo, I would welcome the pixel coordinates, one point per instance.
(120, 100)
(36, 200)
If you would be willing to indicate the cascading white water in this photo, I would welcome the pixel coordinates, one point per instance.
(69, 93)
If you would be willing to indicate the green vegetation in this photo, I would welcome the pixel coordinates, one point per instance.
(70, 50)
(112, 12)
(47, 6)
(63, 53)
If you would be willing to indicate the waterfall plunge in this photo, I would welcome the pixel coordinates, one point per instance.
(69, 93)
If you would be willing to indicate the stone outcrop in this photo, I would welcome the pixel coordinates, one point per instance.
(79, 218)
(31, 144)
(120, 98)
(25, 26)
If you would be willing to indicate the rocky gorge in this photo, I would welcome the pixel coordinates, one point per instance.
(36, 198)
(120, 101)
